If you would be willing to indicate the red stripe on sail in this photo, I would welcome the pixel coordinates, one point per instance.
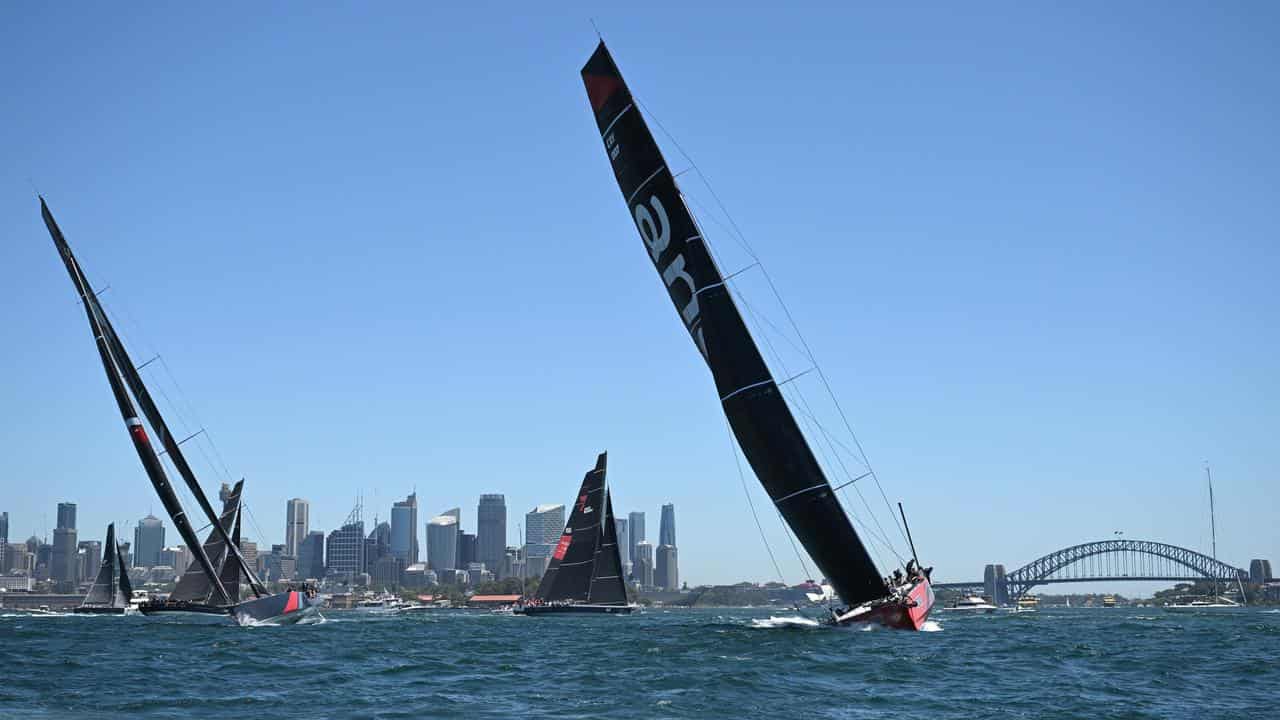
(600, 88)
(563, 546)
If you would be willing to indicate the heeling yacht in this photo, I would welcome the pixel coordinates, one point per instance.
(971, 604)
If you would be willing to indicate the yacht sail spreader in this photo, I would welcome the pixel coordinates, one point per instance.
(127, 386)
(750, 397)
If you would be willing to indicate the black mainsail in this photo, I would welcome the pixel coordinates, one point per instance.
(764, 426)
(585, 565)
(194, 585)
(111, 588)
(141, 443)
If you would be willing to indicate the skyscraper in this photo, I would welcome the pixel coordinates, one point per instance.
(442, 542)
(667, 526)
(64, 568)
(624, 546)
(542, 528)
(4, 542)
(311, 556)
(404, 529)
(148, 541)
(643, 567)
(666, 574)
(466, 550)
(67, 515)
(635, 533)
(89, 557)
(297, 522)
(344, 549)
(491, 532)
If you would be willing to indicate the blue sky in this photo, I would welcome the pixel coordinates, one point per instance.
(1035, 249)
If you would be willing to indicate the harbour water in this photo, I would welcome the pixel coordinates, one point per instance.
(1068, 663)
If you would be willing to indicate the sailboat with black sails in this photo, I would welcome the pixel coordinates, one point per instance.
(127, 386)
(758, 414)
(111, 589)
(585, 573)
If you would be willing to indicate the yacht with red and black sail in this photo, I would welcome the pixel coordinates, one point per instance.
(585, 572)
(127, 387)
(751, 398)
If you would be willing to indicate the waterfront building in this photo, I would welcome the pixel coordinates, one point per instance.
(344, 550)
(311, 556)
(542, 529)
(280, 564)
(635, 534)
(666, 576)
(21, 561)
(43, 553)
(667, 526)
(404, 529)
(377, 545)
(442, 542)
(491, 532)
(297, 523)
(642, 567)
(385, 572)
(148, 541)
(415, 577)
(176, 557)
(249, 549)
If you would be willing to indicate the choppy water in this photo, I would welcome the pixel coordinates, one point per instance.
(1112, 663)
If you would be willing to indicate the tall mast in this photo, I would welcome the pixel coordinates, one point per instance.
(750, 397)
(141, 443)
(1213, 524)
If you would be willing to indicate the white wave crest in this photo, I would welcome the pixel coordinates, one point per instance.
(788, 621)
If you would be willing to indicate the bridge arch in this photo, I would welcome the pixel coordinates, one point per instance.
(1119, 560)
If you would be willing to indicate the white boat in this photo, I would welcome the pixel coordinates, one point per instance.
(1195, 604)
(971, 604)
(381, 605)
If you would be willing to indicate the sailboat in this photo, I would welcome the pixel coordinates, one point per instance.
(111, 589)
(585, 573)
(126, 387)
(1213, 602)
(193, 597)
(759, 416)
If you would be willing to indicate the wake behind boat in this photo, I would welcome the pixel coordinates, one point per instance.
(127, 387)
(585, 573)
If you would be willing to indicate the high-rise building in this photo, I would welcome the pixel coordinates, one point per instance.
(1259, 571)
(666, 575)
(297, 523)
(377, 545)
(543, 526)
(442, 542)
(148, 541)
(667, 526)
(466, 549)
(344, 549)
(176, 557)
(311, 556)
(4, 542)
(249, 549)
(64, 567)
(635, 533)
(67, 515)
(643, 565)
(404, 529)
(89, 557)
(491, 532)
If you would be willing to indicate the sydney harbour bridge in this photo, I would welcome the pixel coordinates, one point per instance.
(1103, 561)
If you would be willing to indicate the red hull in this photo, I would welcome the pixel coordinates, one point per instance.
(907, 614)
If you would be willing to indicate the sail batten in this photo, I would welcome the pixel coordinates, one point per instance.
(758, 414)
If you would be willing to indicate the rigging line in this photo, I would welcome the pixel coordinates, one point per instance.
(733, 447)
(808, 413)
(754, 316)
(742, 239)
(787, 529)
(226, 471)
(254, 520)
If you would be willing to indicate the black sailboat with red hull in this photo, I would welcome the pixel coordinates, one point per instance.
(752, 401)
(585, 572)
(127, 386)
